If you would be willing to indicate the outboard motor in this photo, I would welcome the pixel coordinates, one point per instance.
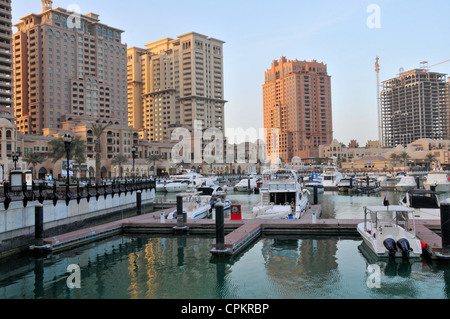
(403, 245)
(389, 243)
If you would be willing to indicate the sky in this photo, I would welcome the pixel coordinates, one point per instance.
(347, 35)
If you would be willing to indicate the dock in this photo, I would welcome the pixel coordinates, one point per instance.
(239, 233)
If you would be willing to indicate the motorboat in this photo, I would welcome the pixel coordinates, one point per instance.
(389, 232)
(315, 181)
(437, 180)
(346, 184)
(195, 205)
(188, 181)
(281, 196)
(243, 185)
(406, 183)
(217, 194)
(425, 203)
(368, 185)
(331, 176)
(400, 175)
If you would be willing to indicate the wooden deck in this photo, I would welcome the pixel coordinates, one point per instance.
(239, 233)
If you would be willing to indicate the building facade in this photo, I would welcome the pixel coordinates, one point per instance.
(297, 109)
(66, 65)
(414, 105)
(6, 61)
(174, 82)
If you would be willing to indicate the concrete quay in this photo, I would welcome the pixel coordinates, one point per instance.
(239, 233)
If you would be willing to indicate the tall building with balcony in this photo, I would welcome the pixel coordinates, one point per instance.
(174, 82)
(6, 61)
(67, 65)
(297, 109)
(414, 105)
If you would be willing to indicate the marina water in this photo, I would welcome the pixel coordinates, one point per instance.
(182, 267)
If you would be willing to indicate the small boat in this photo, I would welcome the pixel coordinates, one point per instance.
(331, 176)
(177, 186)
(346, 184)
(385, 237)
(425, 203)
(195, 205)
(406, 183)
(437, 180)
(368, 185)
(217, 195)
(243, 185)
(281, 196)
(315, 181)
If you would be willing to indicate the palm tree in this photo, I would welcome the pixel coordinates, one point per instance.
(152, 159)
(430, 158)
(394, 157)
(98, 129)
(35, 159)
(404, 156)
(119, 160)
(77, 150)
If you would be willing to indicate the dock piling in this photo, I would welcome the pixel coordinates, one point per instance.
(316, 199)
(220, 227)
(181, 216)
(445, 228)
(139, 202)
(39, 225)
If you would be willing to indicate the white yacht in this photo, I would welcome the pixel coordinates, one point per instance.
(217, 194)
(385, 237)
(331, 176)
(406, 183)
(242, 186)
(189, 181)
(438, 180)
(315, 181)
(281, 196)
(425, 203)
(195, 205)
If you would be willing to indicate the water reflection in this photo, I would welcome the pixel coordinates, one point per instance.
(182, 267)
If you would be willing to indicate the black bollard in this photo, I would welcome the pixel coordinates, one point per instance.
(181, 217)
(248, 186)
(418, 182)
(220, 227)
(316, 197)
(139, 202)
(39, 225)
(445, 228)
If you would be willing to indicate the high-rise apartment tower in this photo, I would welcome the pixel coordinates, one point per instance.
(297, 108)
(6, 61)
(414, 105)
(67, 65)
(174, 82)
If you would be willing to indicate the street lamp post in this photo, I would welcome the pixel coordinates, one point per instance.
(15, 158)
(67, 141)
(133, 152)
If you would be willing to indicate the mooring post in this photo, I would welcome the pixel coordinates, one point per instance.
(39, 225)
(248, 187)
(418, 182)
(181, 216)
(445, 228)
(139, 202)
(316, 198)
(220, 227)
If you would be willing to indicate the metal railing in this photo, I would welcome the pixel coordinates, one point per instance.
(43, 191)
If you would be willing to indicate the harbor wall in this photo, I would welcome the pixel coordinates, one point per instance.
(17, 224)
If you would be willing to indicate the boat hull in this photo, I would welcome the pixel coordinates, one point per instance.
(377, 248)
(438, 188)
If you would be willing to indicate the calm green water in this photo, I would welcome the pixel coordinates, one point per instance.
(271, 268)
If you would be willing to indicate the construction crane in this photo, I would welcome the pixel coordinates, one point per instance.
(377, 70)
(424, 65)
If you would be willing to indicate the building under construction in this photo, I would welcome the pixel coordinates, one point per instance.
(414, 105)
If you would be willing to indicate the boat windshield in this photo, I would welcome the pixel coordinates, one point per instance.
(426, 200)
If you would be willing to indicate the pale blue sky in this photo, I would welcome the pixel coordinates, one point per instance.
(259, 31)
